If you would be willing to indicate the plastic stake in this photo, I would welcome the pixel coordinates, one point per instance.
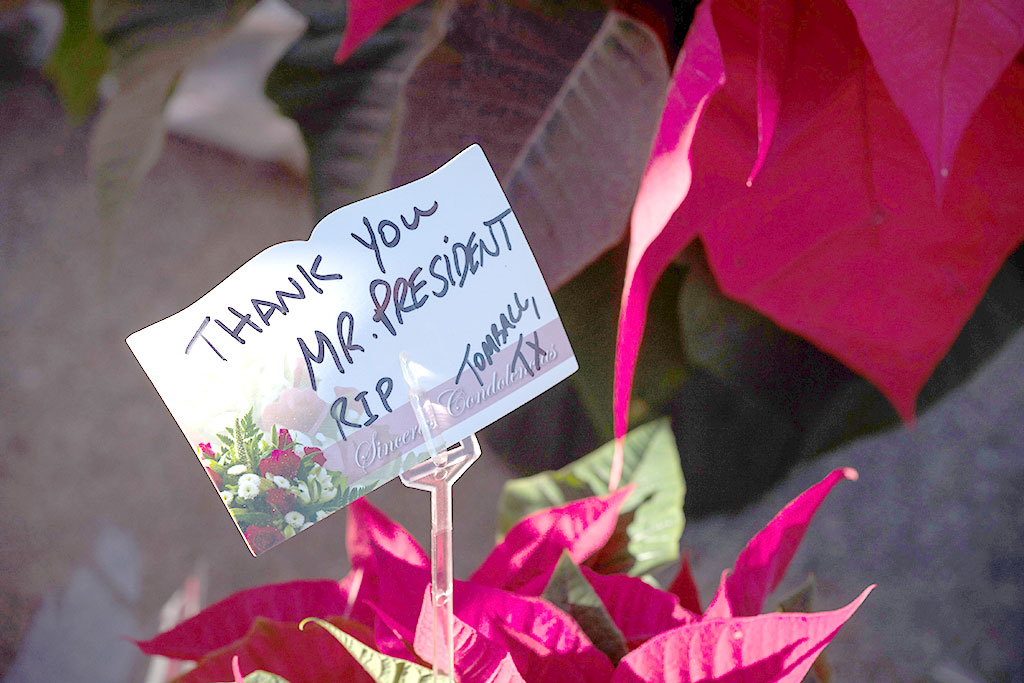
(437, 475)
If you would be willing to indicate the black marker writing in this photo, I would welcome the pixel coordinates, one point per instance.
(340, 407)
(388, 233)
(519, 356)
(265, 309)
(345, 328)
(243, 320)
(199, 334)
(495, 339)
(449, 270)
(404, 297)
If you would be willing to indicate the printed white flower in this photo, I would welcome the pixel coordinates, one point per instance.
(301, 492)
(327, 495)
(294, 519)
(281, 482)
(227, 497)
(301, 438)
(320, 514)
(236, 469)
(248, 490)
(251, 479)
(305, 526)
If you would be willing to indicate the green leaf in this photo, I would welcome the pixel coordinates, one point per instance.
(563, 97)
(151, 42)
(651, 518)
(382, 668)
(570, 591)
(589, 308)
(723, 336)
(800, 600)
(247, 442)
(592, 141)
(750, 353)
(78, 61)
(351, 114)
(491, 80)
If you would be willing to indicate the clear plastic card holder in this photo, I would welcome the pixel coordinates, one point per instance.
(437, 475)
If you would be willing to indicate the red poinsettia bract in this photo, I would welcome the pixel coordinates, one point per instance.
(854, 170)
(506, 632)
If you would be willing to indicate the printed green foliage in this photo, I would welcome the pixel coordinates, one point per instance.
(354, 493)
(273, 486)
(382, 668)
(246, 438)
(569, 590)
(651, 519)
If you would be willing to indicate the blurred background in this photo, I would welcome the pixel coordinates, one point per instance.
(149, 149)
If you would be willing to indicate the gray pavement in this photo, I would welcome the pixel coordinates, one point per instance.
(935, 520)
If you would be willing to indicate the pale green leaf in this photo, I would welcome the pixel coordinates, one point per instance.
(381, 667)
(151, 42)
(246, 517)
(652, 516)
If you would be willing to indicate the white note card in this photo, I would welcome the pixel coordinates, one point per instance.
(286, 377)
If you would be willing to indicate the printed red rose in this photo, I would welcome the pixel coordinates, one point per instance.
(282, 463)
(284, 437)
(215, 478)
(280, 500)
(263, 538)
(207, 451)
(318, 455)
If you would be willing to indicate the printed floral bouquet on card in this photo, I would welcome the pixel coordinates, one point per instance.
(565, 596)
(273, 487)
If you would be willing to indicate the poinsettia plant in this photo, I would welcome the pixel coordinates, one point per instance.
(851, 170)
(566, 595)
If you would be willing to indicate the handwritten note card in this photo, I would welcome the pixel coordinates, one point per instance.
(286, 376)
